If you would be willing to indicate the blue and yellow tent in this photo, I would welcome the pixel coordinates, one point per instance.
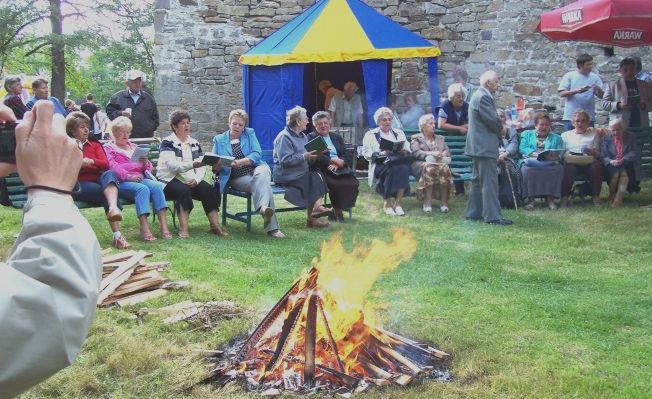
(336, 40)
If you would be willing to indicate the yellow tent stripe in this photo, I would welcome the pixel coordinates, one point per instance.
(335, 30)
(339, 56)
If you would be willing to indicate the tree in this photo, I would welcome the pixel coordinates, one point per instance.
(16, 17)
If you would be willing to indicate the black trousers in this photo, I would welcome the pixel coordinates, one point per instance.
(208, 195)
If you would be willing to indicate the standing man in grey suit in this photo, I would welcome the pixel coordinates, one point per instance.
(482, 142)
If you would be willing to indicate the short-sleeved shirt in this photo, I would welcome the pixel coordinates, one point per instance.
(586, 101)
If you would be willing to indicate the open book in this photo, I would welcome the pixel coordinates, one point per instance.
(549, 155)
(211, 159)
(317, 144)
(393, 146)
(140, 152)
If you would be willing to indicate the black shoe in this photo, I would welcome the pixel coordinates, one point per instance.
(502, 222)
(473, 219)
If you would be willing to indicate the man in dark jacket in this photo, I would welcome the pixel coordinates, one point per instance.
(482, 143)
(136, 104)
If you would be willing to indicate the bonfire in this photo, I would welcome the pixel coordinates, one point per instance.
(321, 334)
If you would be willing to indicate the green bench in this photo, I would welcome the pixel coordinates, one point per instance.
(461, 165)
(247, 215)
(13, 193)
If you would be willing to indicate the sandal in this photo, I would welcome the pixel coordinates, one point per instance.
(218, 231)
(184, 235)
(316, 223)
(166, 236)
(148, 238)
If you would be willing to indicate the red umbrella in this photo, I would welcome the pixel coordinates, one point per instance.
(624, 23)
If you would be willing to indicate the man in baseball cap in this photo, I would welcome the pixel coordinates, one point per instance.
(136, 104)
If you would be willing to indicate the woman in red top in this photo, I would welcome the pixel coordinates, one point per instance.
(99, 185)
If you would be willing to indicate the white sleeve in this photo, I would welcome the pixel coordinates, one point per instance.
(331, 106)
(369, 145)
(48, 290)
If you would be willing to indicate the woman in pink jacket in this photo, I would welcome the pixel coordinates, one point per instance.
(135, 179)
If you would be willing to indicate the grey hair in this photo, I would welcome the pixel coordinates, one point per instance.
(487, 77)
(320, 115)
(616, 121)
(423, 120)
(454, 89)
(294, 115)
(382, 111)
(10, 81)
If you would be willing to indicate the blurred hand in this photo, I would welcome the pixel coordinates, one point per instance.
(197, 164)
(6, 115)
(338, 162)
(218, 166)
(464, 129)
(45, 155)
(135, 178)
(143, 160)
(332, 167)
(310, 156)
(87, 161)
(192, 184)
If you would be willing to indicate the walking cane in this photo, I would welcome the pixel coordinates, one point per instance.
(509, 178)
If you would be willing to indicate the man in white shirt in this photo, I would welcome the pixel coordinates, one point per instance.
(346, 108)
(327, 89)
(580, 88)
(49, 284)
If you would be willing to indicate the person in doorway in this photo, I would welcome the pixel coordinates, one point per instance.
(346, 108)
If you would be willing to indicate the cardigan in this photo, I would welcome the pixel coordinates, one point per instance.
(371, 146)
(93, 150)
(250, 148)
(420, 147)
(121, 164)
(529, 143)
(171, 163)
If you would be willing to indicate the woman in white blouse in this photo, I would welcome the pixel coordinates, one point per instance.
(390, 169)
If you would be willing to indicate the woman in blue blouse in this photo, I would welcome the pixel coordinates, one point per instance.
(541, 178)
(248, 172)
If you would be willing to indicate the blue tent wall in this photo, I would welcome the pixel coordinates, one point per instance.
(268, 92)
(376, 81)
(433, 83)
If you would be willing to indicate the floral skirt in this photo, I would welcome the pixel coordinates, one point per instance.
(435, 176)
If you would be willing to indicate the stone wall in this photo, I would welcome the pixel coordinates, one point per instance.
(198, 42)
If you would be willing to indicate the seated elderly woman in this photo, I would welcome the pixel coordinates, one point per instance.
(432, 158)
(454, 115)
(304, 186)
(509, 177)
(582, 155)
(136, 179)
(388, 167)
(542, 173)
(97, 184)
(180, 167)
(335, 166)
(621, 157)
(248, 172)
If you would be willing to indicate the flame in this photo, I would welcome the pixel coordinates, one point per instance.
(345, 337)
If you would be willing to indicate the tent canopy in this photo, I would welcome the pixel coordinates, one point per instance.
(280, 72)
(337, 31)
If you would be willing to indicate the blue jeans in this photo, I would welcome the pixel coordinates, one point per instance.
(144, 192)
(92, 192)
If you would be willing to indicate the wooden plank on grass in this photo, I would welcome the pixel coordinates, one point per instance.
(126, 265)
(141, 297)
(118, 257)
(137, 286)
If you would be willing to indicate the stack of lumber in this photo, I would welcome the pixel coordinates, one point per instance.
(127, 279)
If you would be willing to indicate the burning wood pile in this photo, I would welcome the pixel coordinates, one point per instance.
(127, 279)
(320, 336)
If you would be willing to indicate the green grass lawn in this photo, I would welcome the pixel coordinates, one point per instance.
(556, 306)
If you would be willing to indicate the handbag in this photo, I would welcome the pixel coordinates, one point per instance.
(578, 159)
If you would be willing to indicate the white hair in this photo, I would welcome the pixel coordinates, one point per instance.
(615, 122)
(294, 115)
(382, 111)
(454, 89)
(487, 77)
(423, 120)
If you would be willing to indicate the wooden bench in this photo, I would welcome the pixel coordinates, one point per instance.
(246, 215)
(13, 193)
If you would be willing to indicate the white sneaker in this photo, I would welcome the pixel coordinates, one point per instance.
(399, 211)
(444, 209)
(427, 209)
(390, 212)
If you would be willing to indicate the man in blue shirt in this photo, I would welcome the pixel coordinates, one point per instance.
(41, 90)
(580, 88)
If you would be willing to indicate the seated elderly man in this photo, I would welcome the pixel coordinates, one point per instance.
(621, 157)
(346, 108)
(454, 115)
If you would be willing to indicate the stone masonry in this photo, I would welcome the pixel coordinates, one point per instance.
(198, 42)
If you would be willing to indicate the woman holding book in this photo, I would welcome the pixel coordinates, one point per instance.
(540, 168)
(388, 153)
(292, 167)
(335, 166)
(432, 158)
(247, 171)
(97, 183)
(136, 179)
(582, 155)
(180, 167)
